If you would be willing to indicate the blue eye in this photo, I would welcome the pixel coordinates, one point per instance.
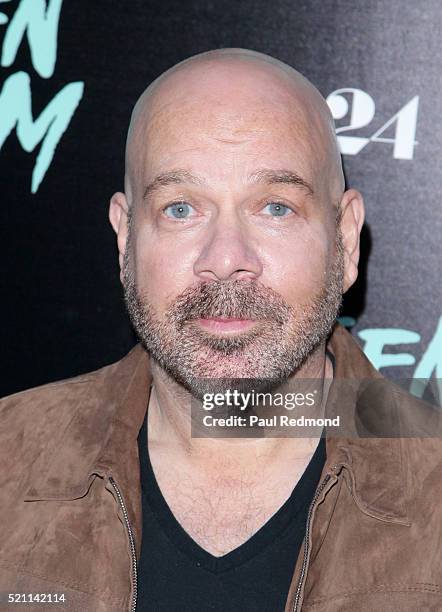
(177, 210)
(277, 209)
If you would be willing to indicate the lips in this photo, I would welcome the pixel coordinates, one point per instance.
(226, 324)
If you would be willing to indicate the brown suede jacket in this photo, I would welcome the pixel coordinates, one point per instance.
(70, 500)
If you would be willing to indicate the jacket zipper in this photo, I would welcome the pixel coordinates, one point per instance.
(133, 603)
(307, 542)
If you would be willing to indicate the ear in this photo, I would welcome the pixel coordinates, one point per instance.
(118, 210)
(352, 220)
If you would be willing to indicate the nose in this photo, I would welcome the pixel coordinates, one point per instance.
(228, 253)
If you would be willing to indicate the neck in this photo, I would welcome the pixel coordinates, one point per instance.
(169, 424)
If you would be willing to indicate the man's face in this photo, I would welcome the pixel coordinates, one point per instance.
(233, 268)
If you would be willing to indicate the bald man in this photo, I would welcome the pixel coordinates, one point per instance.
(237, 240)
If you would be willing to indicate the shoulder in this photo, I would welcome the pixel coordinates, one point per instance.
(386, 409)
(64, 421)
(43, 399)
(46, 408)
(418, 427)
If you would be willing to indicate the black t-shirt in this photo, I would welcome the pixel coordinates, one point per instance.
(176, 574)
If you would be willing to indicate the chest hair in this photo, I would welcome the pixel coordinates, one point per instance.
(222, 512)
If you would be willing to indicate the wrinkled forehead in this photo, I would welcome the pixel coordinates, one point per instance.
(250, 107)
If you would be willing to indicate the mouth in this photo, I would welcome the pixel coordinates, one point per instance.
(226, 325)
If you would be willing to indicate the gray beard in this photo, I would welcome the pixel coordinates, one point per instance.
(260, 358)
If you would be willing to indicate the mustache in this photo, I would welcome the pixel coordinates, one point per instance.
(228, 299)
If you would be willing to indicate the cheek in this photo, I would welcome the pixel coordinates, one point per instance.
(163, 269)
(297, 268)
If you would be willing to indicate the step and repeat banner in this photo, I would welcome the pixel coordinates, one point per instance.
(69, 76)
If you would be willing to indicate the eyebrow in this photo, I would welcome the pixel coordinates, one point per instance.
(286, 177)
(264, 175)
(171, 177)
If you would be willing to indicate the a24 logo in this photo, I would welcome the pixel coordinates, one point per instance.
(360, 109)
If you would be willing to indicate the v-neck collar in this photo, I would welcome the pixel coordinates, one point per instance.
(153, 501)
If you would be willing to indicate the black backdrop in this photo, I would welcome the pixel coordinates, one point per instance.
(62, 305)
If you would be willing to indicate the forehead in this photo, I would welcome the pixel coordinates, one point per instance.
(227, 121)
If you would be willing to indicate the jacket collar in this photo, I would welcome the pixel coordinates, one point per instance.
(110, 407)
(375, 465)
(101, 438)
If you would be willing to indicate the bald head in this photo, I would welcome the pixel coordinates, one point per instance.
(232, 95)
